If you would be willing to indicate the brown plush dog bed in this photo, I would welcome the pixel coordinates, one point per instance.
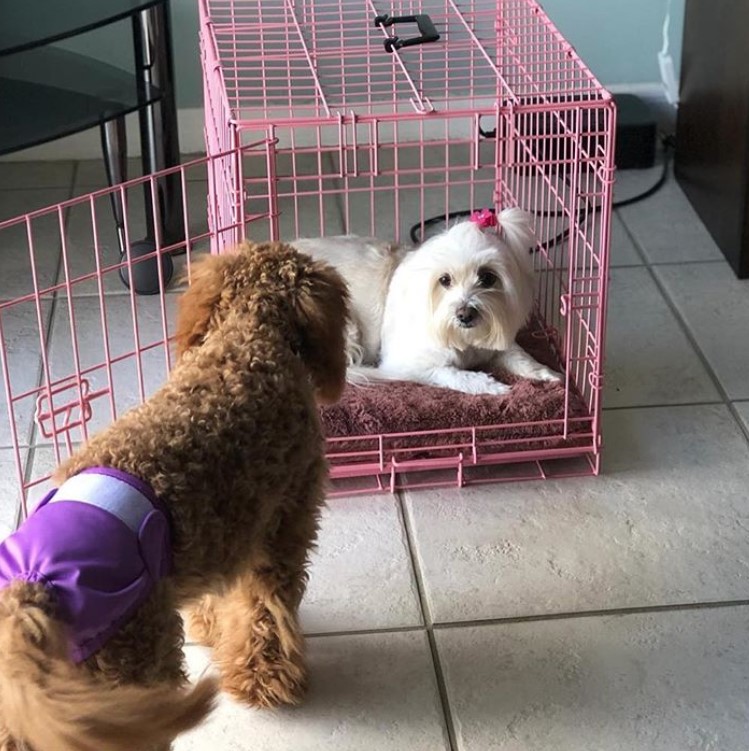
(404, 407)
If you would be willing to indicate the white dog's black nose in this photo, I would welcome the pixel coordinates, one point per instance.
(466, 315)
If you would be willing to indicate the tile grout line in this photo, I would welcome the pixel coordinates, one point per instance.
(700, 403)
(635, 610)
(683, 325)
(365, 631)
(428, 624)
(565, 616)
(744, 427)
(695, 262)
(638, 250)
(727, 402)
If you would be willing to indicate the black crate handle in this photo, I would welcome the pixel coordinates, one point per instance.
(427, 30)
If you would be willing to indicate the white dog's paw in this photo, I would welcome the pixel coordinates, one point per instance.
(542, 373)
(470, 382)
(495, 388)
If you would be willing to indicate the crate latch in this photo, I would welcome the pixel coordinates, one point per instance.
(74, 413)
(427, 30)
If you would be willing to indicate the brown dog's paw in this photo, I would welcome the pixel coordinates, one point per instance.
(267, 682)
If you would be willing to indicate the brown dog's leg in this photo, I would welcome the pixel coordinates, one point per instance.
(147, 650)
(202, 624)
(259, 646)
(258, 643)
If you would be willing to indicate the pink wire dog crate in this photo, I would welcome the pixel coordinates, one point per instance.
(314, 128)
(373, 116)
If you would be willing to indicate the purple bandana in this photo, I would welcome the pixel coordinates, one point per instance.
(100, 541)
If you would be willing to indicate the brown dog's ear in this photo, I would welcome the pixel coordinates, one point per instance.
(198, 303)
(322, 312)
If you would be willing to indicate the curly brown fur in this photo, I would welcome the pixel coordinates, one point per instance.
(233, 447)
(53, 704)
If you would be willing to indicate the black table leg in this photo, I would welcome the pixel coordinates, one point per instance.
(114, 146)
(158, 122)
(159, 141)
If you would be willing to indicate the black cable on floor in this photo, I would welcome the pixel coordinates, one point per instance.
(668, 147)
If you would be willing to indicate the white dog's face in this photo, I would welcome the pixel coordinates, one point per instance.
(480, 285)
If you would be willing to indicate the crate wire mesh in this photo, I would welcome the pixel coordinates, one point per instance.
(500, 111)
(313, 129)
(78, 347)
(299, 60)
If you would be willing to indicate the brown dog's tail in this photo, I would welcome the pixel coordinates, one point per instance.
(53, 705)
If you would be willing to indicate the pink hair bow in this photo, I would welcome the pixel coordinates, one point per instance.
(485, 219)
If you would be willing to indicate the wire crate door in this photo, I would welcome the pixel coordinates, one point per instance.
(79, 344)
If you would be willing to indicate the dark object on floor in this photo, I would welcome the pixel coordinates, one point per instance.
(400, 407)
(636, 133)
(712, 134)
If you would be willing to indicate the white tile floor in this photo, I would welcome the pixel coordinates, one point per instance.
(600, 614)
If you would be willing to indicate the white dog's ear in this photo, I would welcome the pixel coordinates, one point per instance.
(517, 232)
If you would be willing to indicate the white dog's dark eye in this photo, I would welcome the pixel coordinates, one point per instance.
(487, 278)
(446, 281)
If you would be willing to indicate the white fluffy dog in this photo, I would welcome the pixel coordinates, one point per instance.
(445, 312)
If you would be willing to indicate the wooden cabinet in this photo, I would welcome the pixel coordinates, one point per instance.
(712, 139)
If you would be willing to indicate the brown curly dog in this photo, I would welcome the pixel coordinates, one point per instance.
(232, 447)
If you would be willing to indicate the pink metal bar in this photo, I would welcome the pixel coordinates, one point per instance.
(313, 70)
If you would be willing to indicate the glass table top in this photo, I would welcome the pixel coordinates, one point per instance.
(33, 23)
